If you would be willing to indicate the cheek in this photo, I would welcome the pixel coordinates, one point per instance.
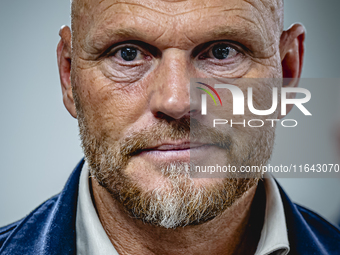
(263, 93)
(109, 108)
(262, 99)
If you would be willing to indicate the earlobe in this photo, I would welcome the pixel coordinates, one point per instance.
(292, 52)
(64, 65)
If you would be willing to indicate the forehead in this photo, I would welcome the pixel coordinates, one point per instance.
(175, 21)
(173, 7)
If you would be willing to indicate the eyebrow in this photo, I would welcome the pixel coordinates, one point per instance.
(99, 39)
(104, 38)
(249, 38)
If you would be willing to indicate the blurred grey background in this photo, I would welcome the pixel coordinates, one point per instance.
(39, 139)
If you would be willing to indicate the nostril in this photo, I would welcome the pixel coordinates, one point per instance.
(160, 115)
(193, 112)
(165, 117)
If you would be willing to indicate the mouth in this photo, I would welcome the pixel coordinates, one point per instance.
(181, 151)
(176, 146)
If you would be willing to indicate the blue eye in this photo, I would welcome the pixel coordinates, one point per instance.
(221, 51)
(128, 53)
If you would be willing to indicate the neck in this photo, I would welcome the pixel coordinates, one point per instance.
(235, 231)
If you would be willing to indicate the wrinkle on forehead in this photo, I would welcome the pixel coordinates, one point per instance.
(274, 7)
(84, 11)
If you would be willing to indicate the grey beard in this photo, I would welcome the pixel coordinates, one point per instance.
(184, 204)
(180, 201)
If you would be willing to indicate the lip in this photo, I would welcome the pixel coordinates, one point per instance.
(175, 151)
(169, 146)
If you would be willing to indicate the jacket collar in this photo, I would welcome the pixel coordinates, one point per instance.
(50, 228)
(308, 233)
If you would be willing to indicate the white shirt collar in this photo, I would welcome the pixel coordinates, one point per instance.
(92, 238)
(274, 236)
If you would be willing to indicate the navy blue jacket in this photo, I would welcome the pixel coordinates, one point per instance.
(50, 228)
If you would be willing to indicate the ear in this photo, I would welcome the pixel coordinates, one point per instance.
(64, 65)
(292, 52)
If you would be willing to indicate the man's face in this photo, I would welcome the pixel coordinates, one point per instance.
(131, 69)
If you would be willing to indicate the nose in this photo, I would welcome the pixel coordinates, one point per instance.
(170, 96)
